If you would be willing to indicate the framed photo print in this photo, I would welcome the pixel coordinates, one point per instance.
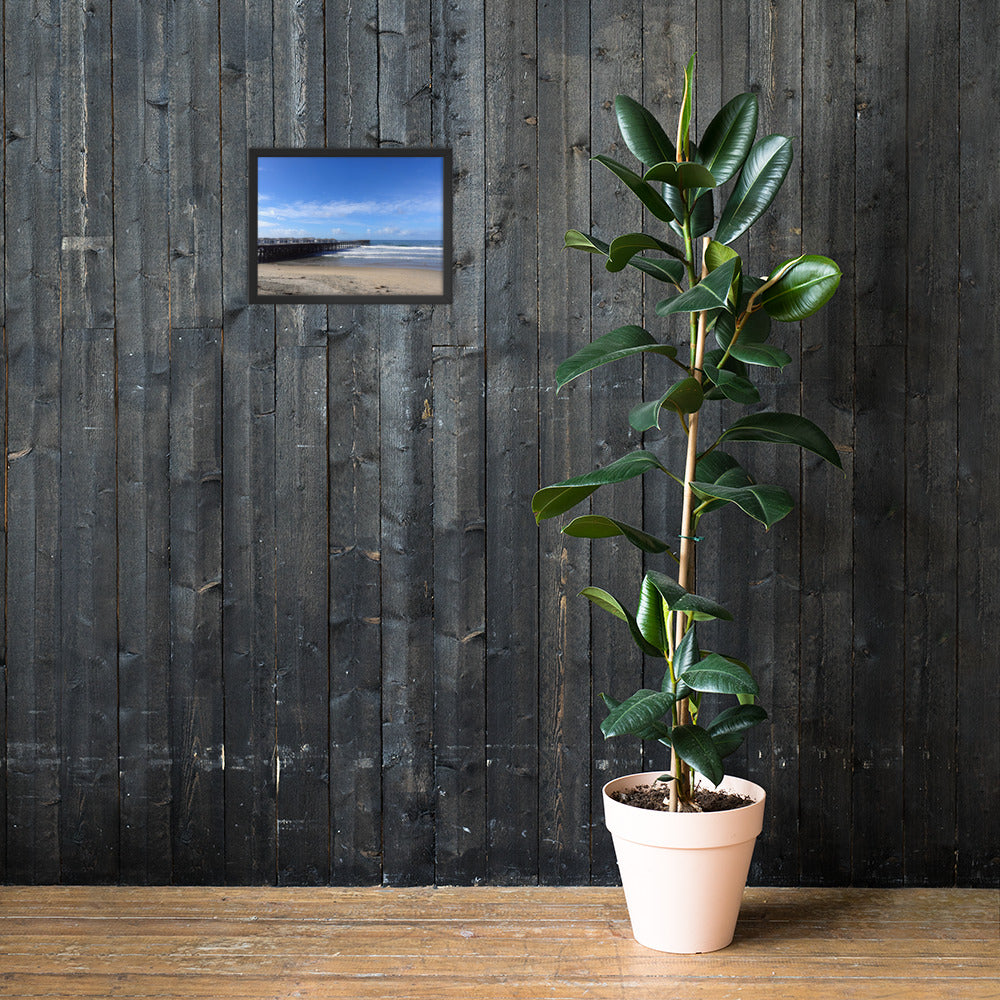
(349, 225)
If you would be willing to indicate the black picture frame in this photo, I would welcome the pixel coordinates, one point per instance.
(299, 287)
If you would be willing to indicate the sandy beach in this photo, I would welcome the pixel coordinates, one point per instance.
(296, 278)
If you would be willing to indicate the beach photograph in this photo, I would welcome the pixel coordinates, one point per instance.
(355, 226)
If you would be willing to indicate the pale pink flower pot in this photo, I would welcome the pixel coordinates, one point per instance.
(684, 873)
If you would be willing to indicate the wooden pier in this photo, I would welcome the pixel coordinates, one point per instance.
(288, 249)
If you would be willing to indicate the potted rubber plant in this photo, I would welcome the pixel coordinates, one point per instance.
(684, 836)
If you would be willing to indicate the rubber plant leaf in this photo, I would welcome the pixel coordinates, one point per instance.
(762, 175)
(729, 136)
(596, 526)
(642, 133)
(624, 342)
(694, 745)
(783, 428)
(551, 501)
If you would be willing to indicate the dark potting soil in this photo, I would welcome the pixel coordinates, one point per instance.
(657, 797)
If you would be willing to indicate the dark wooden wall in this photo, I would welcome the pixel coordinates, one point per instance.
(275, 606)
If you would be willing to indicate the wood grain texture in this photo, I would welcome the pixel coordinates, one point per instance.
(932, 371)
(615, 300)
(773, 558)
(284, 616)
(511, 318)
(88, 696)
(354, 482)
(249, 629)
(459, 409)
(978, 703)
(564, 450)
(195, 682)
(881, 323)
(407, 336)
(142, 342)
(568, 943)
(33, 361)
(302, 686)
(828, 183)
(193, 114)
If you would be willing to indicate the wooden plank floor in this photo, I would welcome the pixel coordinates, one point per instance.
(487, 944)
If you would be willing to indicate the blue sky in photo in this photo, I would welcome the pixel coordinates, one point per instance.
(351, 197)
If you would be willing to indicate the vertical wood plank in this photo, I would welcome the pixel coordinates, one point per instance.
(142, 340)
(929, 763)
(31, 288)
(457, 57)
(301, 485)
(87, 540)
(86, 266)
(616, 42)
(511, 320)
(407, 334)
(978, 707)
(196, 711)
(827, 500)
(248, 450)
(193, 112)
(88, 702)
(564, 563)
(354, 521)
(773, 558)
(459, 621)
(880, 439)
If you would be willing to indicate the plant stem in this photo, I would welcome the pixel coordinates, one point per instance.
(686, 561)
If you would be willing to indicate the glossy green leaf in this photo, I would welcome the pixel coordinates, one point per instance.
(606, 602)
(727, 743)
(686, 656)
(635, 714)
(595, 526)
(756, 329)
(679, 599)
(654, 731)
(671, 271)
(695, 746)
(716, 254)
(715, 674)
(551, 501)
(713, 358)
(646, 194)
(766, 355)
(719, 468)
(681, 175)
(684, 396)
(804, 289)
(736, 719)
(624, 342)
(783, 428)
(661, 308)
(732, 386)
(684, 119)
(651, 617)
(711, 292)
(575, 240)
(642, 133)
(762, 175)
(623, 248)
(767, 504)
(729, 136)
(703, 215)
